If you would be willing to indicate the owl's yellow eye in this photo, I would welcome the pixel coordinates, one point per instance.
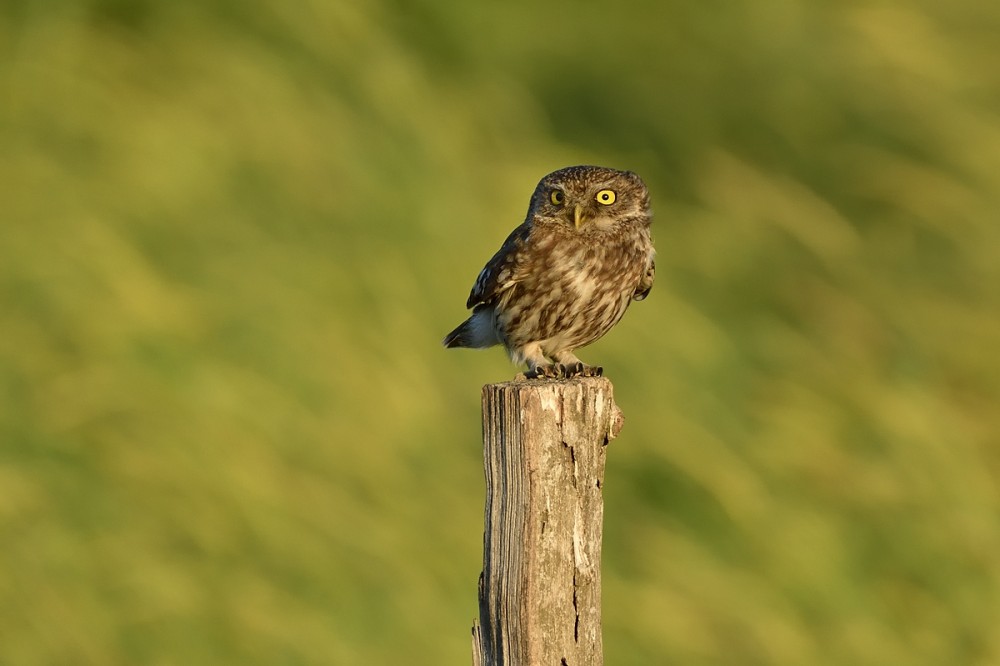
(606, 197)
(557, 197)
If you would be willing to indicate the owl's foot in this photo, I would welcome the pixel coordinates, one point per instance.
(554, 371)
(561, 371)
(573, 369)
(580, 369)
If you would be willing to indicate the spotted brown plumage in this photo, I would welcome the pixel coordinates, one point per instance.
(564, 277)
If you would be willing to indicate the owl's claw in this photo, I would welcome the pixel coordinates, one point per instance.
(554, 371)
(561, 371)
(580, 369)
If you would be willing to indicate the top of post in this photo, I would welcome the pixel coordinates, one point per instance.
(587, 395)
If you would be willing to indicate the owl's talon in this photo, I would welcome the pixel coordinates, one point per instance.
(544, 372)
(561, 371)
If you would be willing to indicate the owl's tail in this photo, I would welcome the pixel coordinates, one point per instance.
(459, 337)
(477, 331)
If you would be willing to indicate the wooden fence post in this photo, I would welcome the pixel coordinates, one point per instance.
(540, 591)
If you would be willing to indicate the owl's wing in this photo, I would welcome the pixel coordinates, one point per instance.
(502, 271)
(646, 283)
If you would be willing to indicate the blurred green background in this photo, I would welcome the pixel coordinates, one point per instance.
(232, 235)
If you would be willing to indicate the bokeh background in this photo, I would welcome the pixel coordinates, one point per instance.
(232, 235)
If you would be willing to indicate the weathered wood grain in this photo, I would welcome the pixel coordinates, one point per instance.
(540, 590)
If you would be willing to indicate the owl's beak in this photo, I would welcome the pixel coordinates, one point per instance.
(578, 216)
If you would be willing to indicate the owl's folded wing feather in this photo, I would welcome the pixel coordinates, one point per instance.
(645, 283)
(500, 272)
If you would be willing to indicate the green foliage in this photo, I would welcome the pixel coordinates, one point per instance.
(233, 234)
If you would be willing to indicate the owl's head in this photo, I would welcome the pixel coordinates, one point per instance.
(587, 197)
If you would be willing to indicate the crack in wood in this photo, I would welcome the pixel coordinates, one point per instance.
(576, 612)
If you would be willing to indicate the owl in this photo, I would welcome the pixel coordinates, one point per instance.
(564, 277)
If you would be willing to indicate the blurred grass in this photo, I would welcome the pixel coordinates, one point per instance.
(233, 234)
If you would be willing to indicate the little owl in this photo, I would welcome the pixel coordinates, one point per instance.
(564, 277)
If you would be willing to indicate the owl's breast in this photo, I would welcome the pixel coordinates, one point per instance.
(573, 290)
(585, 270)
